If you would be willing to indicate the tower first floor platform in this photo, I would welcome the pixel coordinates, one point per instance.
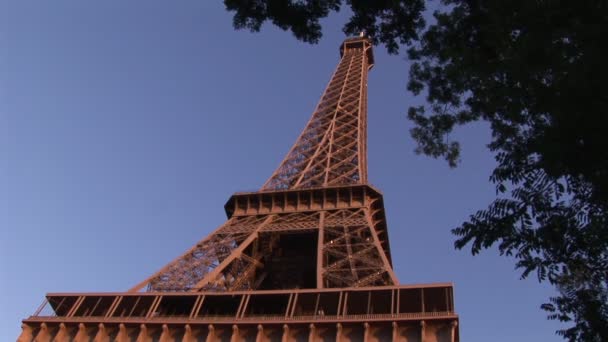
(386, 313)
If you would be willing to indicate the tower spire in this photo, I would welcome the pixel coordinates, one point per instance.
(332, 149)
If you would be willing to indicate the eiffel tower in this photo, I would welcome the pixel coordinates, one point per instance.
(305, 258)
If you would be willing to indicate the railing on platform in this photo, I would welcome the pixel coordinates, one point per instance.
(371, 303)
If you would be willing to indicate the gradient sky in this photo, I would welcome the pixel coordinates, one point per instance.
(126, 125)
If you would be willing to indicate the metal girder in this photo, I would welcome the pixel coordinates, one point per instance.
(332, 148)
(330, 152)
(229, 258)
(296, 260)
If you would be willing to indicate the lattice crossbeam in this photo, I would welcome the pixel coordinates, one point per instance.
(331, 149)
(232, 257)
(330, 153)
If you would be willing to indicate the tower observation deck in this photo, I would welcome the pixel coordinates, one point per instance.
(305, 258)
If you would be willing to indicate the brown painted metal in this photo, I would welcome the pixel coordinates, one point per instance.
(320, 187)
(432, 330)
(359, 311)
(306, 257)
(332, 149)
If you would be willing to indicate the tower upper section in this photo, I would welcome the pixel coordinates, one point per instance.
(332, 149)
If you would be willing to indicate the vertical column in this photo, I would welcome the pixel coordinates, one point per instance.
(312, 334)
(211, 337)
(143, 336)
(44, 335)
(366, 332)
(398, 308)
(338, 332)
(362, 136)
(27, 333)
(447, 300)
(259, 337)
(395, 331)
(235, 334)
(102, 334)
(285, 337)
(320, 244)
(422, 300)
(166, 335)
(82, 335)
(63, 335)
(422, 331)
(188, 334)
(453, 325)
(123, 334)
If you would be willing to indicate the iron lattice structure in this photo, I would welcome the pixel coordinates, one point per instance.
(352, 242)
(305, 258)
(332, 149)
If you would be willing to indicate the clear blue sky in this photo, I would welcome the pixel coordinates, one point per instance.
(126, 125)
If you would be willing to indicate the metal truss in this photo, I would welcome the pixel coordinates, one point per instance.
(232, 258)
(367, 314)
(246, 253)
(306, 258)
(352, 253)
(332, 149)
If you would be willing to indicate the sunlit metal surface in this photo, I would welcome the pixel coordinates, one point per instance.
(306, 258)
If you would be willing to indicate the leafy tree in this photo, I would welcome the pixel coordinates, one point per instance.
(534, 70)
